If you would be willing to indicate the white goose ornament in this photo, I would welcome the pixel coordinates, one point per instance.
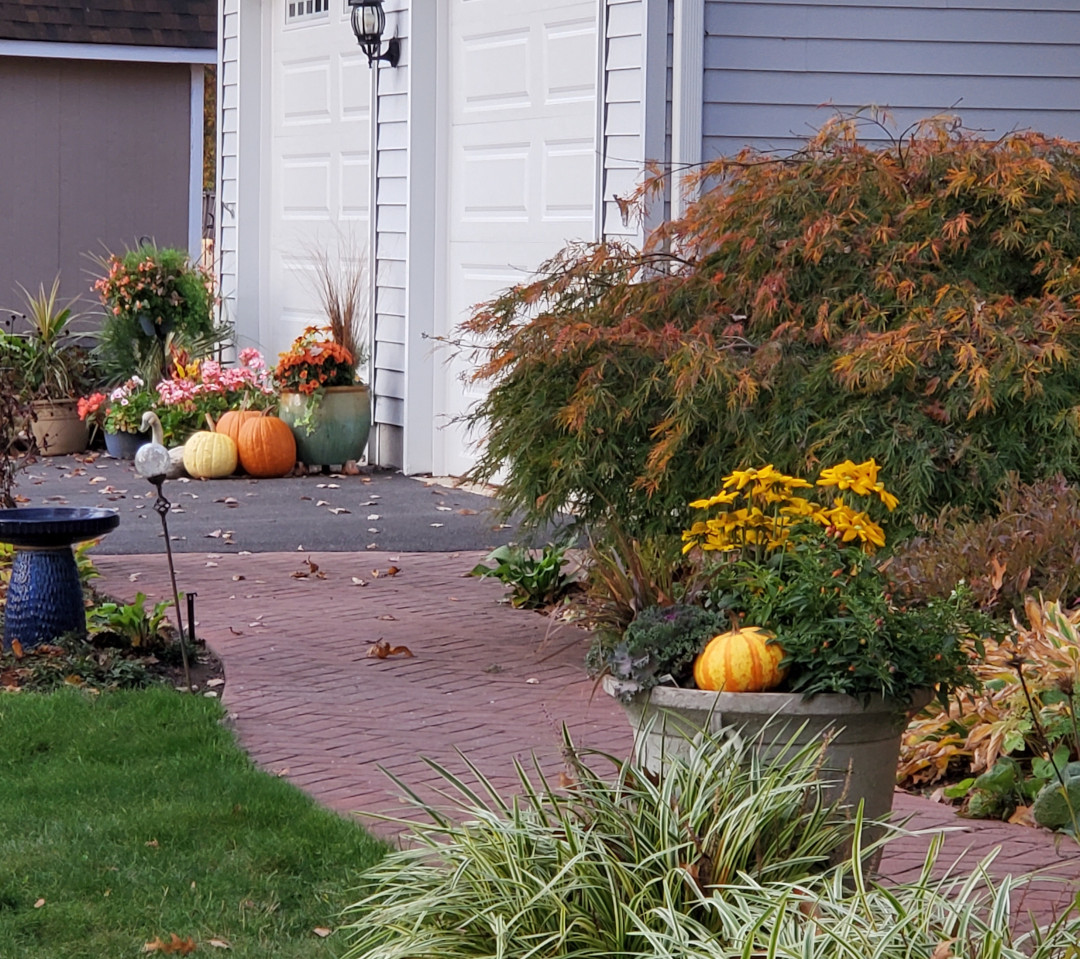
(149, 459)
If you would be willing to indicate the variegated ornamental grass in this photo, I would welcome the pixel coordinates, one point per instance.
(721, 855)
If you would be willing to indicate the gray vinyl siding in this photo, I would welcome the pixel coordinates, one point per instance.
(390, 111)
(776, 70)
(623, 146)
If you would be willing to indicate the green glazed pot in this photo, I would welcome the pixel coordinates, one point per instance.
(339, 425)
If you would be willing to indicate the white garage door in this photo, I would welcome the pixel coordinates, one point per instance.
(318, 158)
(521, 160)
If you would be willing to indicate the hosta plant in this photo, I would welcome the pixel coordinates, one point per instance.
(918, 303)
(996, 746)
(535, 581)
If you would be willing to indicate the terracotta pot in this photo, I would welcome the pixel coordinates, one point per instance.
(330, 429)
(57, 428)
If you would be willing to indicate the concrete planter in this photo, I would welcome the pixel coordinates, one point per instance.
(860, 759)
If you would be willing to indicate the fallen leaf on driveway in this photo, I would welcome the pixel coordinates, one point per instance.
(466, 512)
(338, 510)
(445, 509)
(382, 649)
(437, 525)
(97, 479)
(387, 617)
(357, 581)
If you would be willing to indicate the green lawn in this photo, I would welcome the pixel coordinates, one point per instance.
(133, 815)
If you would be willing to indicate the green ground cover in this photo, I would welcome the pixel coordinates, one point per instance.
(131, 816)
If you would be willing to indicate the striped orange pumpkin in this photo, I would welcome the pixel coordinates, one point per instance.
(742, 661)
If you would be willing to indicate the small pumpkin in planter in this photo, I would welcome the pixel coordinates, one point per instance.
(230, 423)
(266, 446)
(740, 661)
(209, 455)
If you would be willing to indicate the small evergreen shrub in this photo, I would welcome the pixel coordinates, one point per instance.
(916, 303)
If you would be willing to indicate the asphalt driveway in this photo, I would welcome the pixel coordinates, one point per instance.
(375, 510)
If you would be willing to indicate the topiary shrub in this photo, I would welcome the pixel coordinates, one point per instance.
(916, 303)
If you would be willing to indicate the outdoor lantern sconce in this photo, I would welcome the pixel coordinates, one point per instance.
(368, 23)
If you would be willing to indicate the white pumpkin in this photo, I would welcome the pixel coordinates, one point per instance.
(209, 455)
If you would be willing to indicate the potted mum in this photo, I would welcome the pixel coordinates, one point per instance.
(323, 399)
(794, 626)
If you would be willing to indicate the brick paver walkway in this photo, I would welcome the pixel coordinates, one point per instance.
(308, 702)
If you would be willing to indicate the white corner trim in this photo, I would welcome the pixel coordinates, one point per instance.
(425, 244)
(195, 173)
(653, 94)
(105, 51)
(687, 104)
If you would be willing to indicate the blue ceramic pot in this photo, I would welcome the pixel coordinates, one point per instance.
(123, 445)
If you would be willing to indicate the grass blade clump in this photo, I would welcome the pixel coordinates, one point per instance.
(586, 869)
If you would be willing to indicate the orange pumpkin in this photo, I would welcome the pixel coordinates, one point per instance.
(741, 661)
(266, 446)
(230, 423)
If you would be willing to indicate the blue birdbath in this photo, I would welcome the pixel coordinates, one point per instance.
(44, 598)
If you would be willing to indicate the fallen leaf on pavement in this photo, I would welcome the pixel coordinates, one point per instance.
(97, 479)
(357, 581)
(387, 618)
(382, 649)
(445, 509)
(392, 570)
(466, 512)
(338, 510)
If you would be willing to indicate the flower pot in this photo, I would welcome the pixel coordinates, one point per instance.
(57, 428)
(123, 445)
(335, 430)
(860, 758)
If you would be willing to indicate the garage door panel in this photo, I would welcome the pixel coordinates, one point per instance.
(522, 162)
(320, 116)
